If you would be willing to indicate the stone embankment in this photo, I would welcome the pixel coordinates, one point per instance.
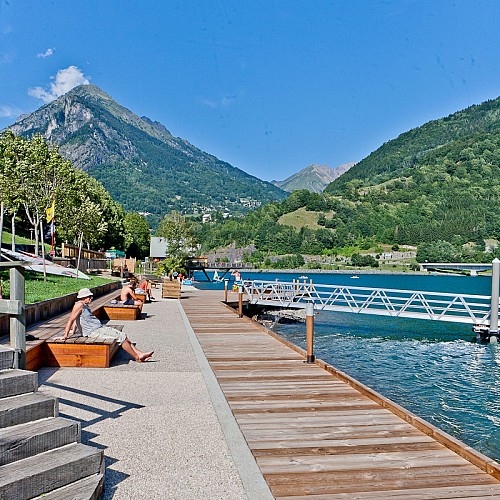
(270, 317)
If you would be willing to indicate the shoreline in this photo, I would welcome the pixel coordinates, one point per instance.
(347, 271)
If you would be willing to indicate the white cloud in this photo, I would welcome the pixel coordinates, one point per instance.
(219, 103)
(64, 81)
(45, 54)
(7, 111)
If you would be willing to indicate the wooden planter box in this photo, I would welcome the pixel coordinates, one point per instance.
(171, 290)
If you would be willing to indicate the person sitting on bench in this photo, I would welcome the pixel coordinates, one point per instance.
(146, 286)
(127, 294)
(91, 327)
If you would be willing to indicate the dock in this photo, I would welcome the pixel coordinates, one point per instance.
(317, 433)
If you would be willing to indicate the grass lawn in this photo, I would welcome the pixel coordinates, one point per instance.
(55, 286)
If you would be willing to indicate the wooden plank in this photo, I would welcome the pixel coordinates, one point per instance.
(95, 356)
(10, 306)
(128, 313)
(315, 433)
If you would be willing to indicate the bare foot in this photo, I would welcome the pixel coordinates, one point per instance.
(145, 356)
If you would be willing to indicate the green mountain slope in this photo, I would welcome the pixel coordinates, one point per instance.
(408, 150)
(139, 162)
(440, 181)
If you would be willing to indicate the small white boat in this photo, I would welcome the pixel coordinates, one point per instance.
(303, 277)
(354, 277)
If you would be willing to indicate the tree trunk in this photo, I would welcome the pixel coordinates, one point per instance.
(13, 244)
(36, 240)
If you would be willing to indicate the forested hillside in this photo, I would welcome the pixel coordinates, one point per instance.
(438, 183)
(410, 149)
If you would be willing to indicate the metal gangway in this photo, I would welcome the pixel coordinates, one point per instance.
(478, 310)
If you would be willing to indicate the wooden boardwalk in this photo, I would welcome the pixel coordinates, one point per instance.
(319, 434)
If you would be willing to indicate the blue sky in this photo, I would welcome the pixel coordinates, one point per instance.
(269, 86)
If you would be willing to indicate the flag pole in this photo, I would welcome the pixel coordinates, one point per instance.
(79, 253)
(43, 251)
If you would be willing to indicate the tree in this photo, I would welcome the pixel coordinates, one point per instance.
(178, 232)
(42, 173)
(11, 152)
(137, 235)
(84, 206)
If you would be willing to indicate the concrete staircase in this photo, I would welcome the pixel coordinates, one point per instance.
(40, 453)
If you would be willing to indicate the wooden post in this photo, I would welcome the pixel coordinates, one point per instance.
(310, 332)
(240, 301)
(225, 290)
(495, 278)
(18, 321)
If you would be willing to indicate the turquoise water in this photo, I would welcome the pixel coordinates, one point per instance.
(434, 369)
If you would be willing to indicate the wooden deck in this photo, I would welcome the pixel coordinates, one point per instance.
(319, 434)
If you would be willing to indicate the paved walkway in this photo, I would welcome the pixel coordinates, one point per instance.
(164, 426)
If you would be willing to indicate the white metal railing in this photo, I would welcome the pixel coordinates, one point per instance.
(438, 306)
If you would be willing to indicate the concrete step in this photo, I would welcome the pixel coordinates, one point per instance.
(26, 440)
(89, 488)
(48, 471)
(6, 357)
(26, 408)
(13, 382)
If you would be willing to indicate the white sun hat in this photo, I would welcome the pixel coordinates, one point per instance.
(83, 293)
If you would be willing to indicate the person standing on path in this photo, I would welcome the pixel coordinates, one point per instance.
(92, 327)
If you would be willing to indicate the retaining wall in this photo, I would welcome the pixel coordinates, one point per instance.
(40, 311)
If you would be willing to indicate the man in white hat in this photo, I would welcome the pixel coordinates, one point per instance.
(92, 327)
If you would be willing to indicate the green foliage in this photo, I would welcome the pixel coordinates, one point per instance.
(288, 262)
(137, 235)
(178, 231)
(358, 260)
(33, 173)
(438, 183)
(171, 264)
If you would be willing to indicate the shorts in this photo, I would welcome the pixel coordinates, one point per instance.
(106, 332)
(128, 302)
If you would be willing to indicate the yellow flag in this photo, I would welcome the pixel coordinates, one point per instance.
(50, 212)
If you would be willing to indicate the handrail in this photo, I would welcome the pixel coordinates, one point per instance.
(437, 306)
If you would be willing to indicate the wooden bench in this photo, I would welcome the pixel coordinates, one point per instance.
(42, 350)
(81, 351)
(119, 311)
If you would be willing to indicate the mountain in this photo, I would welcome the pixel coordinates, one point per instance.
(437, 182)
(139, 161)
(314, 178)
(436, 187)
(397, 157)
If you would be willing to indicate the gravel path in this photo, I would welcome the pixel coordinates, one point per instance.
(159, 423)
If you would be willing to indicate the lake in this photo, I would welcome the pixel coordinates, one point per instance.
(434, 369)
